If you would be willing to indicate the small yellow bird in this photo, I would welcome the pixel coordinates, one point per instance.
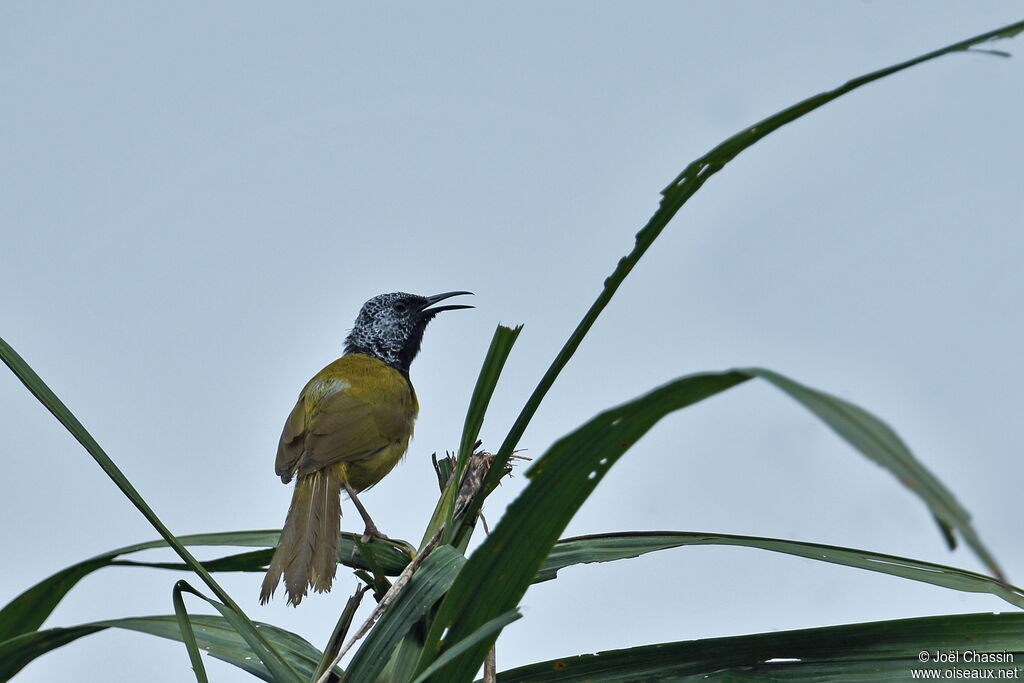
(350, 427)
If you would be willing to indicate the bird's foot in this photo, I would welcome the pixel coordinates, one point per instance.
(372, 532)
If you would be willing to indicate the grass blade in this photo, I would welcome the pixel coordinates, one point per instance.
(490, 628)
(279, 668)
(45, 395)
(876, 440)
(214, 634)
(18, 652)
(500, 570)
(501, 345)
(188, 636)
(494, 362)
(674, 196)
(878, 651)
(428, 585)
(28, 611)
(387, 556)
(570, 470)
(618, 546)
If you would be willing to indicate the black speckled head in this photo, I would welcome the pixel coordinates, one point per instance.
(390, 326)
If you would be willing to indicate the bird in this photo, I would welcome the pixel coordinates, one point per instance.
(349, 428)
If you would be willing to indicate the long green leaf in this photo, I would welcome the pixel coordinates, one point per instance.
(214, 634)
(618, 546)
(16, 653)
(428, 585)
(45, 395)
(402, 665)
(622, 545)
(280, 669)
(500, 570)
(494, 361)
(570, 470)
(492, 627)
(29, 610)
(878, 651)
(188, 635)
(674, 196)
(389, 556)
(876, 440)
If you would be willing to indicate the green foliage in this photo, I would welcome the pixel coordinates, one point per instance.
(880, 651)
(494, 361)
(426, 587)
(215, 634)
(610, 547)
(443, 613)
(188, 634)
(29, 610)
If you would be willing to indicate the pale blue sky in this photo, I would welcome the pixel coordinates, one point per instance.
(196, 200)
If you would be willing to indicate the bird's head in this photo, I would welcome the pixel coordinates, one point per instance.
(390, 326)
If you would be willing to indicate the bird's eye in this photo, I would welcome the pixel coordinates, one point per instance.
(399, 307)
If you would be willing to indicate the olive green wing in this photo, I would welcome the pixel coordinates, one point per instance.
(349, 427)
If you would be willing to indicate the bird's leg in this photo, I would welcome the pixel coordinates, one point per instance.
(371, 530)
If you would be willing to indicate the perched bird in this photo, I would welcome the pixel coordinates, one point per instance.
(350, 427)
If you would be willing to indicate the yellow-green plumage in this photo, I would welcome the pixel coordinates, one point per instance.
(352, 423)
(349, 428)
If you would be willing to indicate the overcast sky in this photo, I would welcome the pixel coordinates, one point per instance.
(195, 200)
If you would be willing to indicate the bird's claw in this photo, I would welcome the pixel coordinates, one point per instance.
(370, 533)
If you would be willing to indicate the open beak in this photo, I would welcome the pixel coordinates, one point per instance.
(431, 300)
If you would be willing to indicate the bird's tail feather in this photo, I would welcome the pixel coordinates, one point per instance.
(307, 553)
